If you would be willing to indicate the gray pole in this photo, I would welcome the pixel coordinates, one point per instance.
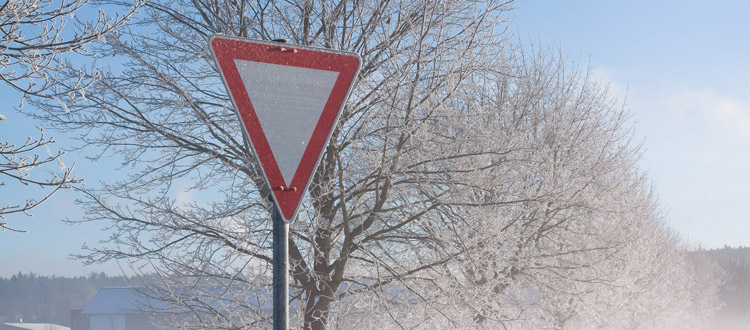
(280, 270)
(280, 264)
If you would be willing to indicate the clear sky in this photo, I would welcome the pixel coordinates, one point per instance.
(683, 66)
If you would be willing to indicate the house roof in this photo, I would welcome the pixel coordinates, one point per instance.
(121, 301)
(37, 326)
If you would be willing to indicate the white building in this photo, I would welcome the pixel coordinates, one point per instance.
(32, 326)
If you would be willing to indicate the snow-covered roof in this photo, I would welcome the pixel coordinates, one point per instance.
(121, 301)
(37, 326)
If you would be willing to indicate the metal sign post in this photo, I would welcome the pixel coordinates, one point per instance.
(280, 264)
(280, 270)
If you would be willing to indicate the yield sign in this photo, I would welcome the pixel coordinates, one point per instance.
(289, 99)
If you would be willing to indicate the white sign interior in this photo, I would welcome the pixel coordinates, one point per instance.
(288, 102)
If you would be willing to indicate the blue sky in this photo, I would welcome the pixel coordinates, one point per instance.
(683, 66)
(46, 247)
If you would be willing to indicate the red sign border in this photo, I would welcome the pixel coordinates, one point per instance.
(226, 49)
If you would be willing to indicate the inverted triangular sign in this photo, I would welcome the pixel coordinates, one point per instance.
(289, 99)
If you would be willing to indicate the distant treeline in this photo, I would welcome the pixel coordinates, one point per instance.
(735, 290)
(49, 299)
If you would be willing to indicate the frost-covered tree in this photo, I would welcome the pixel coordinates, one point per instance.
(35, 34)
(34, 37)
(469, 184)
(16, 164)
